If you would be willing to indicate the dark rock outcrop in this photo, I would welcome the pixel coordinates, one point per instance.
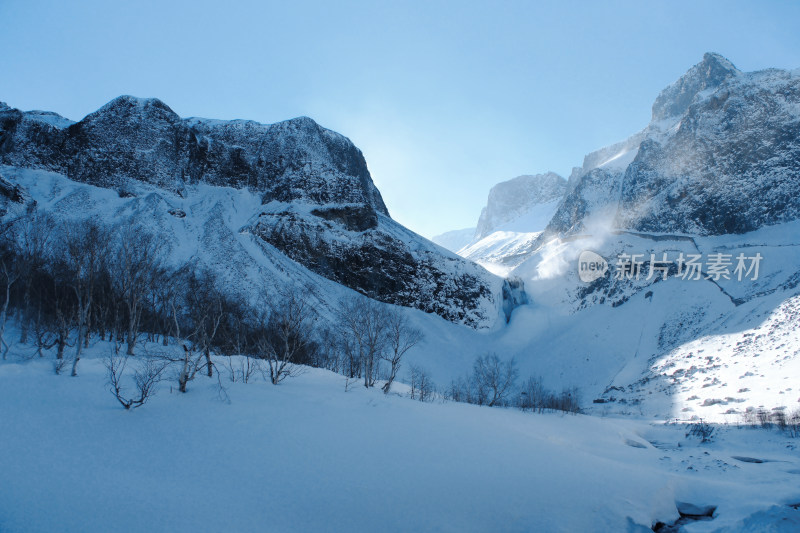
(378, 261)
(144, 140)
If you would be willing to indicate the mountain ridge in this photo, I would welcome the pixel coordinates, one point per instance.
(317, 204)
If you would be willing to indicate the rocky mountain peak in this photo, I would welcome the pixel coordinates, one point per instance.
(128, 107)
(710, 73)
(134, 139)
(512, 199)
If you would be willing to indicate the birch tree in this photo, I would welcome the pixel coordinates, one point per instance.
(288, 335)
(401, 336)
(363, 325)
(84, 252)
(138, 255)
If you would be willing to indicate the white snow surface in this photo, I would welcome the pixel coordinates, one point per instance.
(500, 251)
(308, 456)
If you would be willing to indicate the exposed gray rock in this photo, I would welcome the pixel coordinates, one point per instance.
(722, 155)
(710, 73)
(142, 139)
(732, 166)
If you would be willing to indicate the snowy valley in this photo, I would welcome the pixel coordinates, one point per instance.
(306, 363)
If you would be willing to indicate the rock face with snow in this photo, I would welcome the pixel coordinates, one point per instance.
(510, 200)
(721, 156)
(516, 212)
(732, 165)
(144, 140)
(710, 73)
(319, 205)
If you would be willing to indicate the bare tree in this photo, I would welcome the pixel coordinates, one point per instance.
(8, 276)
(287, 337)
(330, 352)
(421, 385)
(401, 337)
(207, 309)
(138, 256)
(34, 233)
(493, 379)
(533, 396)
(363, 326)
(145, 378)
(84, 251)
(64, 313)
(191, 363)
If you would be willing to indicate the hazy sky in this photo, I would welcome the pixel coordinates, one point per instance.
(445, 99)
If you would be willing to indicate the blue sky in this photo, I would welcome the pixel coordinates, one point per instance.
(444, 98)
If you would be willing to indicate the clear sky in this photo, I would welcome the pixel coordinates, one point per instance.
(444, 98)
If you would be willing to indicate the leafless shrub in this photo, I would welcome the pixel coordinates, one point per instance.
(493, 379)
(764, 418)
(364, 335)
(702, 430)
(286, 337)
(245, 368)
(534, 396)
(145, 379)
(793, 424)
(59, 365)
(422, 387)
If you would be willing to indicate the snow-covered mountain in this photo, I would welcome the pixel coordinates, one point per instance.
(719, 156)
(257, 203)
(717, 171)
(520, 204)
(716, 175)
(516, 212)
(607, 336)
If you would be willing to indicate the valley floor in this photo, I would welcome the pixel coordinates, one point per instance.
(307, 455)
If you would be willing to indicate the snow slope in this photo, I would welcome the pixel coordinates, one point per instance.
(308, 456)
(500, 251)
(455, 240)
(515, 212)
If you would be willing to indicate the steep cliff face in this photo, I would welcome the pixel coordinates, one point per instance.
(380, 258)
(722, 155)
(518, 198)
(732, 165)
(710, 73)
(144, 140)
(317, 202)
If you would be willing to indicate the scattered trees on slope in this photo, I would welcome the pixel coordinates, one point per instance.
(80, 279)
